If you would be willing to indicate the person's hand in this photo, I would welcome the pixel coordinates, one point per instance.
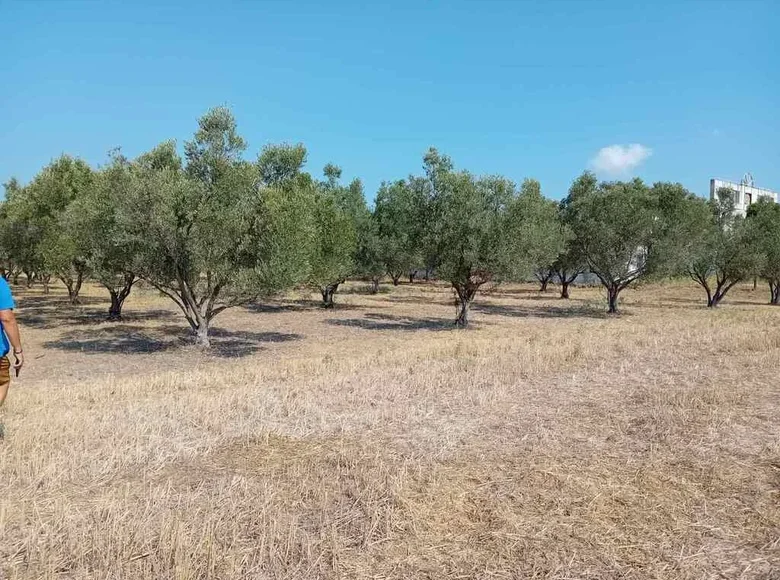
(19, 356)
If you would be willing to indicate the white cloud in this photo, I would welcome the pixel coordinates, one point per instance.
(617, 160)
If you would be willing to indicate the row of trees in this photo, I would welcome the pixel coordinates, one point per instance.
(212, 230)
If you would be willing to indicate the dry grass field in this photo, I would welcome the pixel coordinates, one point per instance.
(375, 441)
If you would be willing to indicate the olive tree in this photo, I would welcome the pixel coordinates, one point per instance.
(280, 165)
(397, 212)
(53, 238)
(214, 231)
(616, 227)
(369, 261)
(19, 234)
(109, 248)
(486, 232)
(570, 262)
(337, 211)
(473, 236)
(539, 232)
(568, 265)
(725, 256)
(544, 275)
(763, 220)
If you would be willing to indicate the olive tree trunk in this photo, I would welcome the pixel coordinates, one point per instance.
(465, 295)
(118, 296)
(74, 286)
(327, 292)
(200, 309)
(613, 292)
(544, 277)
(774, 292)
(722, 286)
(564, 289)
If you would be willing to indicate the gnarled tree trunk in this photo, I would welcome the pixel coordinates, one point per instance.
(465, 295)
(327, 292)
(722, 286)
(564, 289)
(74, 287)
(774, 292)
(544, 277)
(200, 310)
(118, 296)
(613, 292)
(565, 278)
(202, 333)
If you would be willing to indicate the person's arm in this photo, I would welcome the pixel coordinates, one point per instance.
(12, 332)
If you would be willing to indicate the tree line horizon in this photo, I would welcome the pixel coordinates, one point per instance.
(211, 230)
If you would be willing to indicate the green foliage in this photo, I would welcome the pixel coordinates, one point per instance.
(474, 237)
(51, 236)
(279, 164)
(109, 250)
(536, 229)
(571, 261)
(682, 224)
(337, 214)
(212, 230)
(369, 260)
(616, 227)
(725, 251)
(206, 235)
(20, 234)
(484, 231)
(397, 211)
(763, 222)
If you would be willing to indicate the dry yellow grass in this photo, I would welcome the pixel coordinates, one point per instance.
(373, 441)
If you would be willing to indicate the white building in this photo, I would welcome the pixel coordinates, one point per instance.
(746, 193)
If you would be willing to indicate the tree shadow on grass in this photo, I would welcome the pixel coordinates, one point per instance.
(56, 300)
(433, 298)
(519, 311)
(53, 311)
(524, 292)
(364, 289)
(132, 339)
(301, 306)
(541, 296)
(387, 322)
(278, 307)
(71, 315)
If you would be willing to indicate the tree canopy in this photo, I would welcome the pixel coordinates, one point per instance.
(211, 232)
(212, 228)
(616, 229)
(724, 251)
(763, 222)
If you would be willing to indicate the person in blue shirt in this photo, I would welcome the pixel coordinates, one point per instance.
(9, 337)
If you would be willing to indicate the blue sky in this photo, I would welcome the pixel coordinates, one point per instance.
(525, 89)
